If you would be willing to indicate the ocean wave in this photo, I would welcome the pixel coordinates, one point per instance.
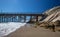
(7, 28)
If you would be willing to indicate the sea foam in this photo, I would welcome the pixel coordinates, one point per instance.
(7, 28)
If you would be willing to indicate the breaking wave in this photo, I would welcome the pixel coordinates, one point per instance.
(7, 28)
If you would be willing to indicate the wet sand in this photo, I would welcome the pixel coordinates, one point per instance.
(28, 31)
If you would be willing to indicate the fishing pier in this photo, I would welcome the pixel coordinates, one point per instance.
(17, 17)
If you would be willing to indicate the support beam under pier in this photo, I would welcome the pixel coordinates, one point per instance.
(24, 18)
(36, 18)
(30, 18)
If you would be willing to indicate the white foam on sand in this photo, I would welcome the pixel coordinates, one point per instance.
(7, 28)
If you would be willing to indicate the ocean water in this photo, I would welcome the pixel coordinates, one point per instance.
(7, 28)
(7, 25)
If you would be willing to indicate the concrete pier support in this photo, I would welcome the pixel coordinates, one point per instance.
(30, 18)
(4, 18)
(12, 19)
(19, 19)
(36, 18)
(24, 18)
(1, 19)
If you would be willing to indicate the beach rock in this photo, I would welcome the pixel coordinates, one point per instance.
(53, 14)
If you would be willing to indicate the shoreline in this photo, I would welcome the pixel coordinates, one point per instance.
(29, 31)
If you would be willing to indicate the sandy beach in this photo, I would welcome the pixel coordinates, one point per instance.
(29, 31)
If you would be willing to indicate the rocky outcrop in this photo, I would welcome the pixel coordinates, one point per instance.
(52, 10)
(53, 14)
(52, 18)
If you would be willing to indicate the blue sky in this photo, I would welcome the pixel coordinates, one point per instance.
(27, 6)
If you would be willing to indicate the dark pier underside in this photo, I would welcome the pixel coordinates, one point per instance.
(13, 16)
